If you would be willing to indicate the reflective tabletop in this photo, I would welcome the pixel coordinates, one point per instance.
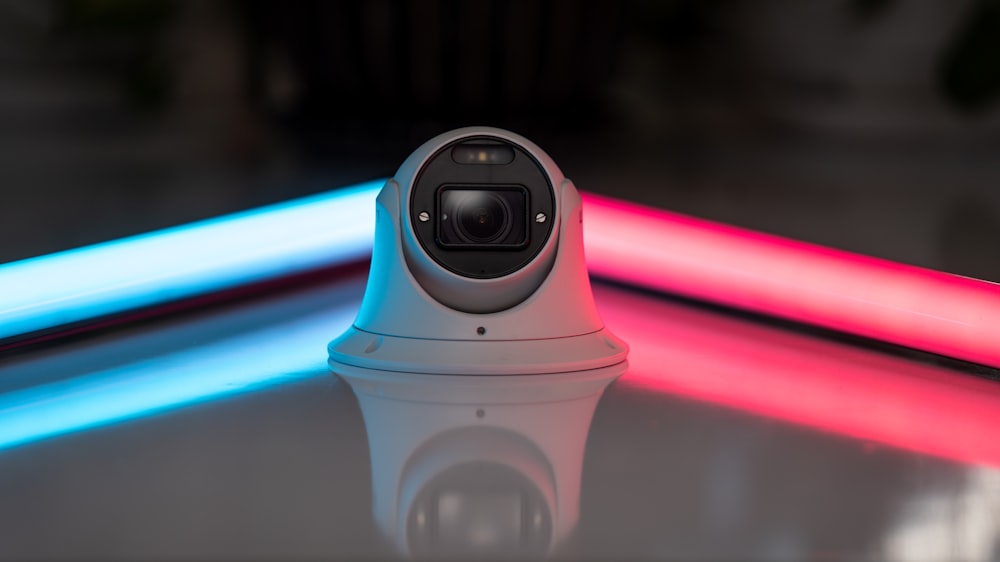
(222, 433)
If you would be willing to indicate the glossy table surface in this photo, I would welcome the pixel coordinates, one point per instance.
(221, 433)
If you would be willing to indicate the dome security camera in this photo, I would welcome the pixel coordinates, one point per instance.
(478, 267)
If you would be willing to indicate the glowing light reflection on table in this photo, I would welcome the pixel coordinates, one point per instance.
(279, 354)
(862, 394)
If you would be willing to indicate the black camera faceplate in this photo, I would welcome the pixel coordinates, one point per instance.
(481, 261)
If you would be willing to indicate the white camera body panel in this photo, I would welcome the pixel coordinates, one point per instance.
(419, 317)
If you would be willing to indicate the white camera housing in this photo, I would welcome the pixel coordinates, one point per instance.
(442, 300)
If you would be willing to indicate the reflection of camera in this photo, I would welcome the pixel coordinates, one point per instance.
(478, 267)
(480, 490)
(477, 467)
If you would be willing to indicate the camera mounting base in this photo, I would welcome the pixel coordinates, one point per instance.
(357, 348)
(461, 389)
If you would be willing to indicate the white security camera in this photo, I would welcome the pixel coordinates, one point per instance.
(478, 267)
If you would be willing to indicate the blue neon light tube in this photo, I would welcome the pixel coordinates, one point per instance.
(188, 260)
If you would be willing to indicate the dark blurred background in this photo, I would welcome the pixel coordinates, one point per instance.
(868, 125)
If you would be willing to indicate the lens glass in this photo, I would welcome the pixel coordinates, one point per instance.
(494, 217)
(482, 217)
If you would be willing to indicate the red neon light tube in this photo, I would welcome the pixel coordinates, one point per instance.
(901, 304)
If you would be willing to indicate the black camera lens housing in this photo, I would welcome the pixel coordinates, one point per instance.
(475, 216)
(482, 217)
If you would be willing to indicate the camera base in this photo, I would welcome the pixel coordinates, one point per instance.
(366, 350)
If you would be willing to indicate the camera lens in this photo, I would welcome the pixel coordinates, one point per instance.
(482, 217)
(471, 217)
